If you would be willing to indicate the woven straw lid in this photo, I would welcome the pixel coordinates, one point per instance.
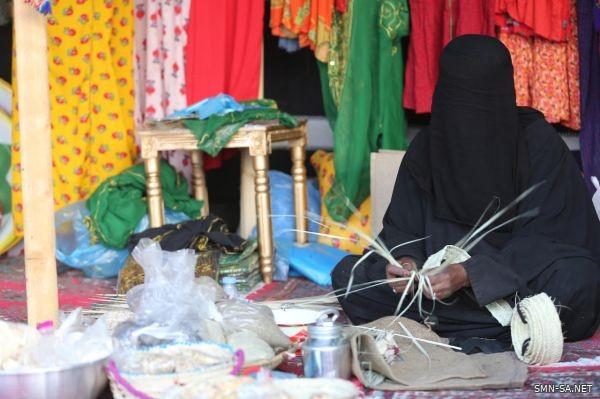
(536, 331)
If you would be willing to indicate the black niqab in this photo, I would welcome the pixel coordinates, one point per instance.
(474, 135)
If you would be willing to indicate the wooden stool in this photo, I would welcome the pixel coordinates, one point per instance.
(257, 139)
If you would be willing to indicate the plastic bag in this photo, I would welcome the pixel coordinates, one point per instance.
(170, 306)
(72, 343)
(596, 196)
(282, 205)
(314, 261)
(73, 246)
(282, 209)
(239, 315)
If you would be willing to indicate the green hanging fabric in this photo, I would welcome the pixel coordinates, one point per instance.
(341, 30)
(214, 132)
(328, 104)
(370, 114)
(119, 203)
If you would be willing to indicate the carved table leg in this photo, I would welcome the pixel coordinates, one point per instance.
(263, 210)
(198, 181)
(297, 150)
(154, 191)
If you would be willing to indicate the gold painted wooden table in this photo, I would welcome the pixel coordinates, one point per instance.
(257, 139)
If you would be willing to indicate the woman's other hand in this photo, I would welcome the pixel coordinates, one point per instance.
(392, 272)
(448, 281)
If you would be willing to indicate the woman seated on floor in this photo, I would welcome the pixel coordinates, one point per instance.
(480, 146)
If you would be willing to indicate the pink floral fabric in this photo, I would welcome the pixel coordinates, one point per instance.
(160, 40)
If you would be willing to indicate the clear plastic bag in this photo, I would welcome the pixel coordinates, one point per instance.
(74, 342)
(170, 306)
(240, 315)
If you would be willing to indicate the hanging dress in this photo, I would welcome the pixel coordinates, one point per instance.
(369, 112)
(434, 24)
(90, 48)
(160, 40)
(589, 48)
(223, 53)
(546, 71)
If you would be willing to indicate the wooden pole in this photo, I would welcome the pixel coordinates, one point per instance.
(36, 163)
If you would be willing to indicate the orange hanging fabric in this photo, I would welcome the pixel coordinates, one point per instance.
(547, 73)
(307, 20)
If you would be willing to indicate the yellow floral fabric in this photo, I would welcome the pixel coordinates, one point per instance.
(90, 58)
(359, 221)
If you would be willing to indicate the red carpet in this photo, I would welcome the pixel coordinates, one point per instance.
(74, 289)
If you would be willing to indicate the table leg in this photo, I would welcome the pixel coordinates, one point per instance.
(198, 180)
(263, 220)
(247, 194)
(297, 150)
(154, 191)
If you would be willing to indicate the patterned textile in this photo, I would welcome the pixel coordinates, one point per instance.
(309, 21)
(160, 40)
(215, 132)
(90, 47)
(360, 220)
(369, 114)
(547, 74)
(338, 53)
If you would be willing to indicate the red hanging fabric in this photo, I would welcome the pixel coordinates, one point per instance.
(433, 24)
(223, 53)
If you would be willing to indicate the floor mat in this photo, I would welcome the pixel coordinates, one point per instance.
(74, 289)
(579, 367)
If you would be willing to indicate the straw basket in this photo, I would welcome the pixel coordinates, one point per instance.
(126, 385)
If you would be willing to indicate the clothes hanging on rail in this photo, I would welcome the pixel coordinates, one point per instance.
(160, 39)
(307, 20)
(223, 53)
(434, 24)
(546, 19)
(90, 48)
(589, 52)
(547, 72)
(369, 106)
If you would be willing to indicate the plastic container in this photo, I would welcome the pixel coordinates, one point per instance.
(229, 286)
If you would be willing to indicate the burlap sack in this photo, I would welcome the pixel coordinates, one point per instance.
(446, 369)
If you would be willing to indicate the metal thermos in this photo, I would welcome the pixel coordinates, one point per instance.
(326, 353)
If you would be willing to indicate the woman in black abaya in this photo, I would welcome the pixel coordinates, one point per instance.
(480, 146)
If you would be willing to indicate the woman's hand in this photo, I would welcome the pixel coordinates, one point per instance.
(391, 272)
(447, 282)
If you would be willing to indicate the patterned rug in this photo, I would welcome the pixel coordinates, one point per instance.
(74, 289)
(579, 367)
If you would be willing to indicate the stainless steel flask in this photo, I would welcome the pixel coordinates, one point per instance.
(326, 353)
